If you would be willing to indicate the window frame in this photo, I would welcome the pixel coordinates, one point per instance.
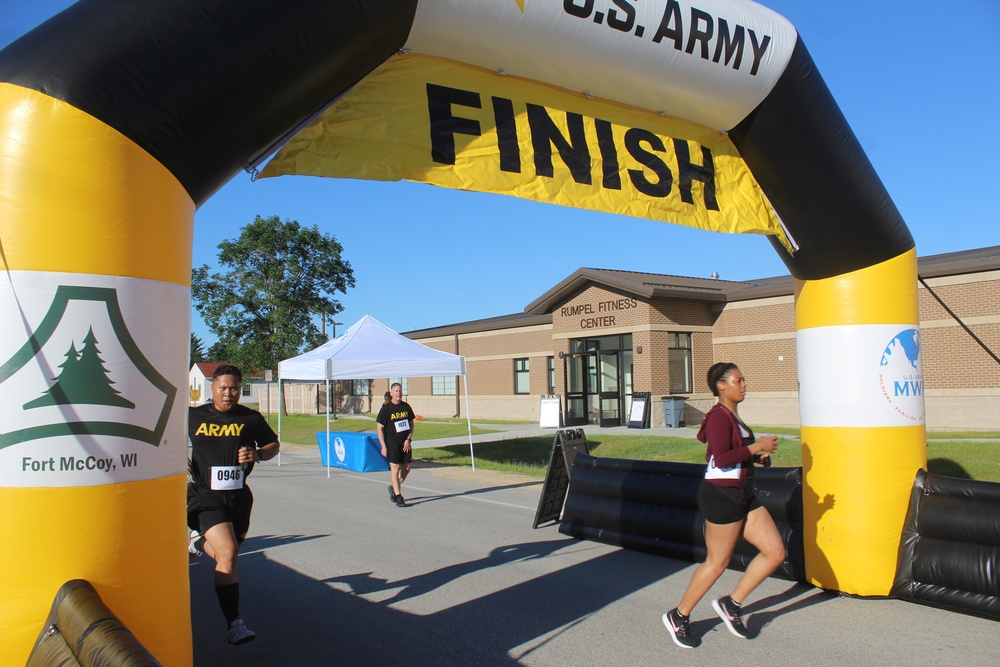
(680, 351)
(444, 385)
(522, 374)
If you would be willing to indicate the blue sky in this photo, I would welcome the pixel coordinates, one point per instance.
(917, 81)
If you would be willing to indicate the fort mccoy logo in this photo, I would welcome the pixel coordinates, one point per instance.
(79, 392)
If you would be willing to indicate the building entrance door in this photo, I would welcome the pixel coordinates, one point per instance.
(609, 389)
(576, 389)
(593, 388)
(598, 380)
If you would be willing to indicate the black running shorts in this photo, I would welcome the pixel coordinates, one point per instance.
(725, 504)
(207, 508)
(394, 452)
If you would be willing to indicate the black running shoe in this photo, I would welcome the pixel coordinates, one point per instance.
(400, 501)
(679, 628)
(729, 612)
(392, 494)
(239, 633)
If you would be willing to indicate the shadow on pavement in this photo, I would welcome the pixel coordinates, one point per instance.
(302, 621)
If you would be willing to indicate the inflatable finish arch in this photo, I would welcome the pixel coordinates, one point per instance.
(118, 118)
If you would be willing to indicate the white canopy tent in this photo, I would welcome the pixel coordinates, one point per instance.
(368, 349)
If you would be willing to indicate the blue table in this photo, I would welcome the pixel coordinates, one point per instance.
(355, 451)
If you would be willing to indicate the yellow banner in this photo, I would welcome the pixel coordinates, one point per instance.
(431, 120)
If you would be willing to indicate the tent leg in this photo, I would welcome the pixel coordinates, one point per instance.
(468, 419)
(328, 428)
(279, 416)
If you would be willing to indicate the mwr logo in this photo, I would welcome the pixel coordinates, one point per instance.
(340, 449)
(80, 373)
(901, 377)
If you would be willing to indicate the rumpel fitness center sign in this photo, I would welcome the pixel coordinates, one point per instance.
(601, 321)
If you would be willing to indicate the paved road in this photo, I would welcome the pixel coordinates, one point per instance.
(334, 574)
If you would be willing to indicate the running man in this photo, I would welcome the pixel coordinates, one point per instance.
(227, 439)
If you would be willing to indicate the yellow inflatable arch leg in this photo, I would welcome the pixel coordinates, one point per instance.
(862, 409)
(95, 238)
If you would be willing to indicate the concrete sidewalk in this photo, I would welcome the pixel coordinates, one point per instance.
(334, 574)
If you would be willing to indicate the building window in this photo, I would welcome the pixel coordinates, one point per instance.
(360, 387)
(522, 384)
(679, 359)
(443, 385)
(551, 364)
(403, 382)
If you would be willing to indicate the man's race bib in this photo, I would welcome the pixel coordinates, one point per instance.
(402, 425)
(227, 478)
(714, 472)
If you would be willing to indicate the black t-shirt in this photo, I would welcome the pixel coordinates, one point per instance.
(216, 438)
(397, 422)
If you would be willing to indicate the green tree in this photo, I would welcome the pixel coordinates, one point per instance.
(197, 351)
(217, 353)
(280, 276)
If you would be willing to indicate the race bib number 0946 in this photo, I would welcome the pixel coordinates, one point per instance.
(227, 478)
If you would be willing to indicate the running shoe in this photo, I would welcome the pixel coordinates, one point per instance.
(194, 539)
(239, 633)
(680, 630)
(729, 612)
(400, 501)
(392, 494)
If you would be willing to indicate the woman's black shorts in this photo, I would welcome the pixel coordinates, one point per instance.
(726, 504)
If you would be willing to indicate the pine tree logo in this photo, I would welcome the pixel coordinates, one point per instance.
(83, 379)
(81, 400)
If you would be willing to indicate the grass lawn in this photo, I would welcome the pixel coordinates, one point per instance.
(968, 455)
(530, 456)
(302, 429)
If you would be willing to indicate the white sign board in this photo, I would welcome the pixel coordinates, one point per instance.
(549, 415)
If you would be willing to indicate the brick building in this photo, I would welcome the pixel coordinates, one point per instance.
(600, 336)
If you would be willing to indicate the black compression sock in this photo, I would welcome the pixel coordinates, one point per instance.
(229, 600)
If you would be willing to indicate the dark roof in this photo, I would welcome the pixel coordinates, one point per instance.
(502, 322)
(644, 285)
(651, 286)
(958, 263)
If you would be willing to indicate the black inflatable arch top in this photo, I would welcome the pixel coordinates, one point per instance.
(208, 86)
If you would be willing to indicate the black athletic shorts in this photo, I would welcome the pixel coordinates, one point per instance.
(726, 504)
(207, 508)
(395, 454)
